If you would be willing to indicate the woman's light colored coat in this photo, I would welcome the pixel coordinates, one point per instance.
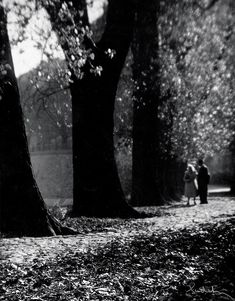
(191, 186)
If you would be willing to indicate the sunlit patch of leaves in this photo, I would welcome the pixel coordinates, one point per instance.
(190, 264)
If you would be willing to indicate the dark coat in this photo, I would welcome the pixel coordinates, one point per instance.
(203, 176)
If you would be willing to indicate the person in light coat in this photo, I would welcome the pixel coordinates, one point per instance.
(191, 186)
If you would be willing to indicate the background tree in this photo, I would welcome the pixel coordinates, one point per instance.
(199, 61)
(47, 107)
(145, 97)
(155, 169)
(193, 98)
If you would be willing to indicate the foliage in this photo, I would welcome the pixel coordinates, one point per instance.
(197, 67)
(44, 90)
(190, 264)
(47, 107)
(196, 61)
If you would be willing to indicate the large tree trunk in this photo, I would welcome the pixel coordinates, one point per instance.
(145, 189)
(22, 209)
(155, 172)
(97, 188)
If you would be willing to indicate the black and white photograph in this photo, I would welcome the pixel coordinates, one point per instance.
(117, 150)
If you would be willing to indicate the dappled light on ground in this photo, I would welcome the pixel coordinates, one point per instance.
(183, 253)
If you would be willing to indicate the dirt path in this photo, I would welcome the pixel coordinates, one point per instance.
(21, 250)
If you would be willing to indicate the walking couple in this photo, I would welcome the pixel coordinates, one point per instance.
(196, 182)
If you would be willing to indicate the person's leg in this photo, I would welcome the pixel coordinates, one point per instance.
(204, 195)
(188, 201)
(200, 194)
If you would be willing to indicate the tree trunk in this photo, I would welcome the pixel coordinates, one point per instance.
(22, 209)
(154, 170)
(97, 188)
(170, 175)
(145, 189)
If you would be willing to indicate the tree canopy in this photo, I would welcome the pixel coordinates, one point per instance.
(197, 76)
(196, 56)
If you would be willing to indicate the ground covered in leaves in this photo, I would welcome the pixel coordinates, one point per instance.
(191, 263)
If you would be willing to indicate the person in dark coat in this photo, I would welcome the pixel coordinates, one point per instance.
(203, 179)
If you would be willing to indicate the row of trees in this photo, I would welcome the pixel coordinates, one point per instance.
(172, 89)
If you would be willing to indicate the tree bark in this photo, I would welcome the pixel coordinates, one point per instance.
(22, 209)
(154, 171)
(145, 189)
(170, 177)
(97, 188)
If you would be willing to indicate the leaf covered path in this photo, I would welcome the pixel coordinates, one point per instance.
(177, 216)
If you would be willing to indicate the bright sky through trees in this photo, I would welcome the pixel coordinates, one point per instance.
(26, 54)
